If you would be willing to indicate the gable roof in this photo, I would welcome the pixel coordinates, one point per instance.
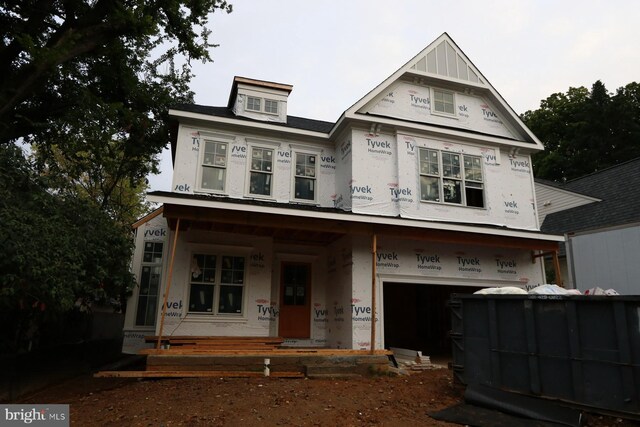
(618, 187)
(444, 62)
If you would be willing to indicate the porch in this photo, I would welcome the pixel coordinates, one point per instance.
(189, 356)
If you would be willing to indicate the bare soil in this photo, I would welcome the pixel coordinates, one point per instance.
(375, 401)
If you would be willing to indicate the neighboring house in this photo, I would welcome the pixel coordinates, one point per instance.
(600, 216)
(284, 226)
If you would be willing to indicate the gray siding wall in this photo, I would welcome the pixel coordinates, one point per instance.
(608, 259)
(550, 200)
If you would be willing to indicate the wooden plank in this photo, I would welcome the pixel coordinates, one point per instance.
(267, 353)
(194, 374)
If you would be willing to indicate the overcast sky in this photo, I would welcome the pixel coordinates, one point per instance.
(335, 52)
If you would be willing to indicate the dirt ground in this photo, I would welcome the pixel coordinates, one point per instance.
(376, 400)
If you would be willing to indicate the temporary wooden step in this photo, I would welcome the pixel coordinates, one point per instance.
(223, 343)
(202, 350)
(194, 374)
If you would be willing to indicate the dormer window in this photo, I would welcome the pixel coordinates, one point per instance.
(270, 106)
(444, 102)
(253, 103)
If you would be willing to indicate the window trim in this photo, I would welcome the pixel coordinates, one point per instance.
(219, 253)
(265, 145)
(462, 179)
(453, 115)
(262, 107)
(152, 264)
(316, 154)
(215, 138)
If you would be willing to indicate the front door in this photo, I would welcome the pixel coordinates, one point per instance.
(295, 300)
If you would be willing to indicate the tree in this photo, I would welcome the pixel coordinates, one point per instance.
(59, 57)
(585, 131)
(54, 250)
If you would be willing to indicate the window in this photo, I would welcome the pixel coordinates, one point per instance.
(214, 165)
(216, 284)
(443, 102)
(305, 177)
(270, 106)
(253, 103)
(149, 284)
(451, 178)
(261, 172)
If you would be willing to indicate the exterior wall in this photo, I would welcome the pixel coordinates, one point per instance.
(606, 259)
(155, 230)
(386, 181)
(404, 100)
(186, 177)
(339, 284)
(259, 312)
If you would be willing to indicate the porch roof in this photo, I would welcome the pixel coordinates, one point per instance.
(317, 225)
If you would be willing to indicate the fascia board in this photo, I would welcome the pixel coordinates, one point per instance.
(247, 124)
(357, 218)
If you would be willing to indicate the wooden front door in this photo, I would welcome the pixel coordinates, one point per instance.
(295, 300)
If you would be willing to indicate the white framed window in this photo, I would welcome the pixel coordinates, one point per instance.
(216, 284)
(213, 165)
(443, 102)
(253, 103)
(304, 179)
(270, 106)
(447, 177)
(261, 171)
(150, 275)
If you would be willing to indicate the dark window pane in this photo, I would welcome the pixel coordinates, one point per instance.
(260, 183)
(451, 191)
(305, 189)
(201, 298)
(475, 197)
(230, 299)
(141, 312)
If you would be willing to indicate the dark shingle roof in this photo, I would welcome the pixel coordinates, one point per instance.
(619, 189)
(292, 121)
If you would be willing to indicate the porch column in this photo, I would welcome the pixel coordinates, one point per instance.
(166, 293)
(374, 251)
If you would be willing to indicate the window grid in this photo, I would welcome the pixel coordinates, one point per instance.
(458, 178)
(443, 102)
(253, 103)
(214, 165)
(149, 284)
(261, 172)
(305, 176)
(216, 284)
(270, 106)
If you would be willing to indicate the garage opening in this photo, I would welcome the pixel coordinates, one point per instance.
(417, 316)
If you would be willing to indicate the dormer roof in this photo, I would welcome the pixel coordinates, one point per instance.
(258, 83)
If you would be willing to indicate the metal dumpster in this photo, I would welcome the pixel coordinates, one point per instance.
(579, 349)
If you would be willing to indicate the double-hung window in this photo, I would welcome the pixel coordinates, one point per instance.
(305, 177)
(214, 165)
(216, 284)
(261, 171)
(270, 106)
(447, 177)
(149, 284)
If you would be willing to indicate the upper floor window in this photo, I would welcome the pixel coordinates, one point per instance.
(149, 284)
(253, 103)
(261, 171)
(214, 165)
(451, 178)
(305, 177)
(270, 106)
(444, 102)
(216, 284)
